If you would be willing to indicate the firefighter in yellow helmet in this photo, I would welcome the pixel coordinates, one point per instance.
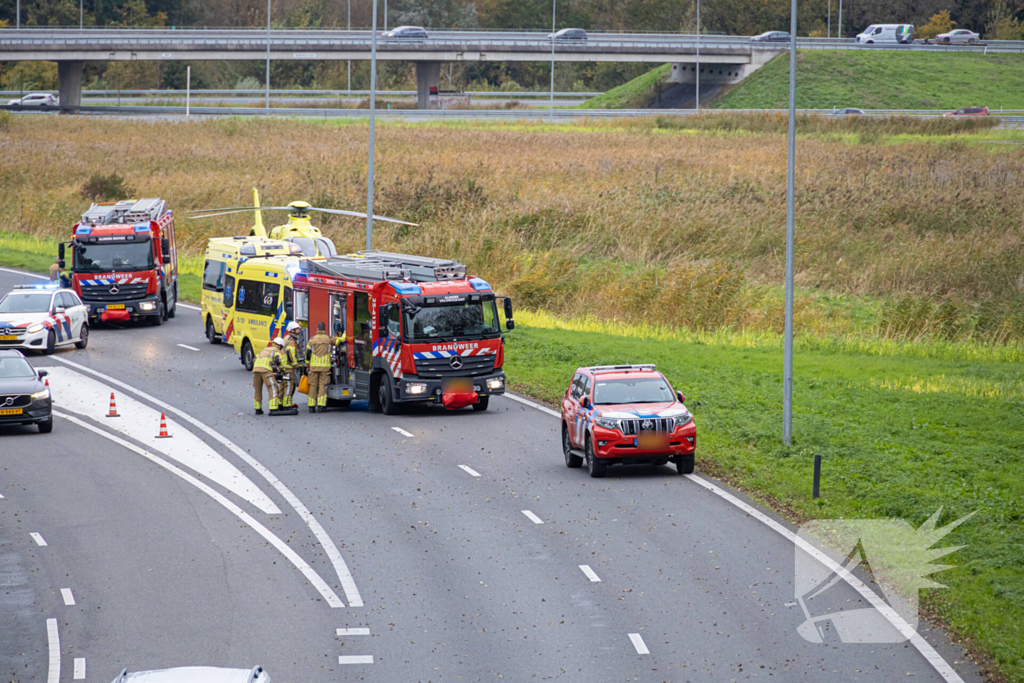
(291, 365)
(264, 369)
(318, 356)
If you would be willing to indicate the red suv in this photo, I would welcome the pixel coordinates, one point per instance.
(625, 414)
(968, 111)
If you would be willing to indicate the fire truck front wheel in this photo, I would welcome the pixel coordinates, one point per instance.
(386, 396)
(481, 404)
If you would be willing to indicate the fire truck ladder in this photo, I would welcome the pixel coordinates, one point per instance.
(384, 265)
(125, 212)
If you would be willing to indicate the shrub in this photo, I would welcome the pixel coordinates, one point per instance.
(105, 188)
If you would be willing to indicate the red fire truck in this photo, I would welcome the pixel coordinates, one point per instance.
(415, 329)
(124, 263)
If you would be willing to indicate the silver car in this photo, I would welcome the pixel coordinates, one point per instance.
(196, 674)
(406, 33)
(36, 99)
(959, 36)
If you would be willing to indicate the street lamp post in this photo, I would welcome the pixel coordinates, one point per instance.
(840, 29)
(551, 100)
(829, 32)
(787, 371)
(81, 14)
(268, 55)
(373, 105)
(350, 38)
(697, 68)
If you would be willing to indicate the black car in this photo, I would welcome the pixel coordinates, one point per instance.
(771, 37)
(24, 398)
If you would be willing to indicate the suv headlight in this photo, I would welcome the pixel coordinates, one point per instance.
(608, 423)
(32, 329)
(682, 420)
(45, 393)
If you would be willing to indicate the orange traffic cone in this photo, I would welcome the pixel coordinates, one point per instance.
(163, 428)
(113, 408)
(46, 383)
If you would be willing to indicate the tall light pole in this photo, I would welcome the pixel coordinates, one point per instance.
(840, 29)
(551, 100)
(350, 38)
(17, 22)
(787, 371)
(373, 106)
(829, 18)
(268, 54)
(81, 14)
(697, 69)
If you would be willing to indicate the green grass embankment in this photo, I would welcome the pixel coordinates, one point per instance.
(635, 94)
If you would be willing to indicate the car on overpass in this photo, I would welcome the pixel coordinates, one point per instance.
(848, 111)
(36, 99)
(968, 111)
(625, 414)
(960, 36)
(195, 674)
(24, 395)
(902, 34)
(406, 33)
(569, 34)
(771, 37)
(41, 318)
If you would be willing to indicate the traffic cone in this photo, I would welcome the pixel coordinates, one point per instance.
(163, 428)
(46, 383)
(113, 408)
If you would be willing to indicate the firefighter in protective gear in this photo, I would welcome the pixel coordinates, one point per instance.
(263, 370)
(318, 356)
(291, 365)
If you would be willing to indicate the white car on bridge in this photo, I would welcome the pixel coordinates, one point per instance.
(959, 36)
(36, 99)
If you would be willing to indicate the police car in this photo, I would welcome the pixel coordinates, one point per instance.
(41, 318)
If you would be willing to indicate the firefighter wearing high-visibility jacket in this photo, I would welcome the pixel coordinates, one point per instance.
(318, 357)
(291, 365)
(264, 369)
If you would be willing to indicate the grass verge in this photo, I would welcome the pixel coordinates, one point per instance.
(635, 94)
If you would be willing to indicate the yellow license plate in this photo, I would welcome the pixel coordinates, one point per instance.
(10, 411)
(458, 386)
(8, 337)
(651, 441)
(115, 307)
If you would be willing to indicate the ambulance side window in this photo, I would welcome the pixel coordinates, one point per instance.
(213, 275)
(269, 297)
(250, 294)
(229, 291)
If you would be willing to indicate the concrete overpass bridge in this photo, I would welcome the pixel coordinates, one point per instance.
(721, 58)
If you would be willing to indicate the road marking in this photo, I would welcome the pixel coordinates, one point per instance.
(79, 668)
(1, 495)
(532, 517)
(348, 584)
(189, 306)
(53, 638)
(543, 409)
(585, 568)
(69, 599)
(21, 272)
(353, 632)
(355, 659)
(332, 599)
(186, 346)
(638, 643)
(37, 538)
(927, 651)
(402, 431)
(470, 470)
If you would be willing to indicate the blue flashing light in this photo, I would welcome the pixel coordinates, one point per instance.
(479, 285)
(83, 230)
(406, 288)
(49, 285)
(142, 227)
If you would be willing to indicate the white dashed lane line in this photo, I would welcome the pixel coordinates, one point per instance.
(469, 470)
(79, 668)
(532, 517)
(402, 431)
(638, 643)
(22, 272)
(585, 568)
(53, 638)
(37, 538)
(69, 599)
(186, 346)
(353, 631)
(355, 659)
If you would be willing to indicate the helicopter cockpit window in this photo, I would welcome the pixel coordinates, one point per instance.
(307, 245)
(326, 247)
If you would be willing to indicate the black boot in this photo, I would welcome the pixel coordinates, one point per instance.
(259, 411)
(321, 409)
(312, 409)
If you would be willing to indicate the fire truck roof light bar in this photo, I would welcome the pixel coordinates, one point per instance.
(125, 212)
(622, 368)
(383, 266)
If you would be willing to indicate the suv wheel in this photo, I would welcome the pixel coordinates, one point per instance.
(46, 427)
(684, 463)
(571, 461)
(594, 466)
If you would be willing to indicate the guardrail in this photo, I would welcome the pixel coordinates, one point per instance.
(492, 94)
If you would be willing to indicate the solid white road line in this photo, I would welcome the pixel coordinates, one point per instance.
(332, 599)
(22, 272)
(79, 668)
(469, 470)
(402, 431)
(638, 643)
(927, 651)
(353, 631)
(532, 517)
(348, 584)
(69, 599)
(37, 538)
(190, 306)
(53, 638)
(186, 346)
(585, 568)
(355, 659)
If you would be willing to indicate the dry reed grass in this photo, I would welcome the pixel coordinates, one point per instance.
(635, 221)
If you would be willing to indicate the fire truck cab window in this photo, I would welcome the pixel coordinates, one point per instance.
(394, 321)
(257, 297)
(110, 256)
(459, 319)
(213, 275)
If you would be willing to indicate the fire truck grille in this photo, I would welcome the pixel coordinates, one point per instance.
(17, 402)
(432, 368)
(633, 427)
(123, 293)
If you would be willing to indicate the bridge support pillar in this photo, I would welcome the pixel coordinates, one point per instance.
(428, 75)
(69, 85)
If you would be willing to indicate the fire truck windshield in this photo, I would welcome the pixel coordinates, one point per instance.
(111, 256)
(444, 321)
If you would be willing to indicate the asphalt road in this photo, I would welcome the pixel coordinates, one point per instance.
(229, 543)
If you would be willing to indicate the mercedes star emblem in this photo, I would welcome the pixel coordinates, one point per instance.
(114, 289)
(647, 424)
(455, 362)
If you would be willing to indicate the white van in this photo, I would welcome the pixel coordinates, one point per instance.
(902, 34)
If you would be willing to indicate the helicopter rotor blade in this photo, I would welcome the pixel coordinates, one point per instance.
(227, 210)
(357, 214)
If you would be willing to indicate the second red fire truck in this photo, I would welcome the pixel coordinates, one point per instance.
(415, 329)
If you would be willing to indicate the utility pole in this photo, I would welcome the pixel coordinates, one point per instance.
(697, 68)
(81, 14)
(551, 101)
(17, 21)
(840, 29)
(268, 54)
(350, 38)
(829, 18)
(373, 105)
(787, 371)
